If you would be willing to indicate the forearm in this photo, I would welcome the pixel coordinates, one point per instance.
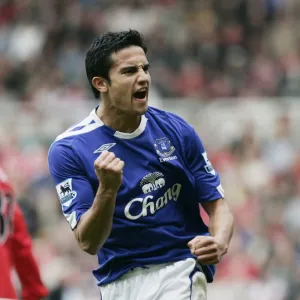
(95, 225)
(221, 224)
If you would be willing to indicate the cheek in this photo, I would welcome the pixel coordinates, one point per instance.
(121, 92)
(124, 87)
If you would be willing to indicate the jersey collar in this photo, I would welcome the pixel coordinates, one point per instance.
(123, 135)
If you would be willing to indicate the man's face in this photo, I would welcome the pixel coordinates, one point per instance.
(130, 81)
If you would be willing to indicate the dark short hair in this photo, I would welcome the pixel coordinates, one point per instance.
(98, 58)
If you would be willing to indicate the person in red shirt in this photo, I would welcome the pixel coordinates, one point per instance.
(16, 249)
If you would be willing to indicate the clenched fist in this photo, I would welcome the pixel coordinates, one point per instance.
(208, 249)
(109, 170)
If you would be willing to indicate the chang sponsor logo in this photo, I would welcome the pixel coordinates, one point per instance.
(152, 182)
(148, 205)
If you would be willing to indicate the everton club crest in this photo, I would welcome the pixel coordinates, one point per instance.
(163, 147)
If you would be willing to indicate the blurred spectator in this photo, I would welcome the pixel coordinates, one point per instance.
(16, 249)
(218, 48)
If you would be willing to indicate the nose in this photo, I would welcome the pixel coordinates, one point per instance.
(143, 78)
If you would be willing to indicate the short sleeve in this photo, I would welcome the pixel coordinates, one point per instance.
(74, 191)
(207, 180)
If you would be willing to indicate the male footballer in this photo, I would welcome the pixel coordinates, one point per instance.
(130, 179)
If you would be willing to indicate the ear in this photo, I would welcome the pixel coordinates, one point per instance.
(100, 84)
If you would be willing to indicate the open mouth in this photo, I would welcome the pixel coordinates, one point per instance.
(140, 95)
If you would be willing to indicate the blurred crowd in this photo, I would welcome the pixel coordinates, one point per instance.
(199, 51)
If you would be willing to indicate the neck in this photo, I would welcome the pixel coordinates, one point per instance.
(118, 120)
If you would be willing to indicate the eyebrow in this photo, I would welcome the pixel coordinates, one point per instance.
(133, 68)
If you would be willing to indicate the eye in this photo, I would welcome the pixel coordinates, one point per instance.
(146, 68)
(129, 71)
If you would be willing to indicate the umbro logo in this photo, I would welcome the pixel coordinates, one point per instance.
(104, 147)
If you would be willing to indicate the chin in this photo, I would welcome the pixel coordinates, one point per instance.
(139, 108)
(143, 109)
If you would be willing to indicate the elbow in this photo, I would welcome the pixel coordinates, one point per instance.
(87, 246)
(89, 249)
(90, 244)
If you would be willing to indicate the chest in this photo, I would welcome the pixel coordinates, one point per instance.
(153, 161)
(156, 181)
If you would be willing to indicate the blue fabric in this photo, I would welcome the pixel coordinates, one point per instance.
(166, 175)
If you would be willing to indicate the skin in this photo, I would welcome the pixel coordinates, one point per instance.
(210, 249)
(95, 224)
(122, 112)
(129, 72)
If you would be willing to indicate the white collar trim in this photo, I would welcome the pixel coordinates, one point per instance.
(95, 117)
(124, 135)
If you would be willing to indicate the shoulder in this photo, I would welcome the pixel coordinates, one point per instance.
(77, 135)
(167, 117)
(170, 120)
(62, 150)
(81, 128)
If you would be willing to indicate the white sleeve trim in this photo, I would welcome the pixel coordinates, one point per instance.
(71, 218)
(221, 190)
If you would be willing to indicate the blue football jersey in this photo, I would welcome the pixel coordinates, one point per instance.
(166, 175)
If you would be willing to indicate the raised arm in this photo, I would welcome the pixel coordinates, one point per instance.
(89, 213)
(95, 225)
